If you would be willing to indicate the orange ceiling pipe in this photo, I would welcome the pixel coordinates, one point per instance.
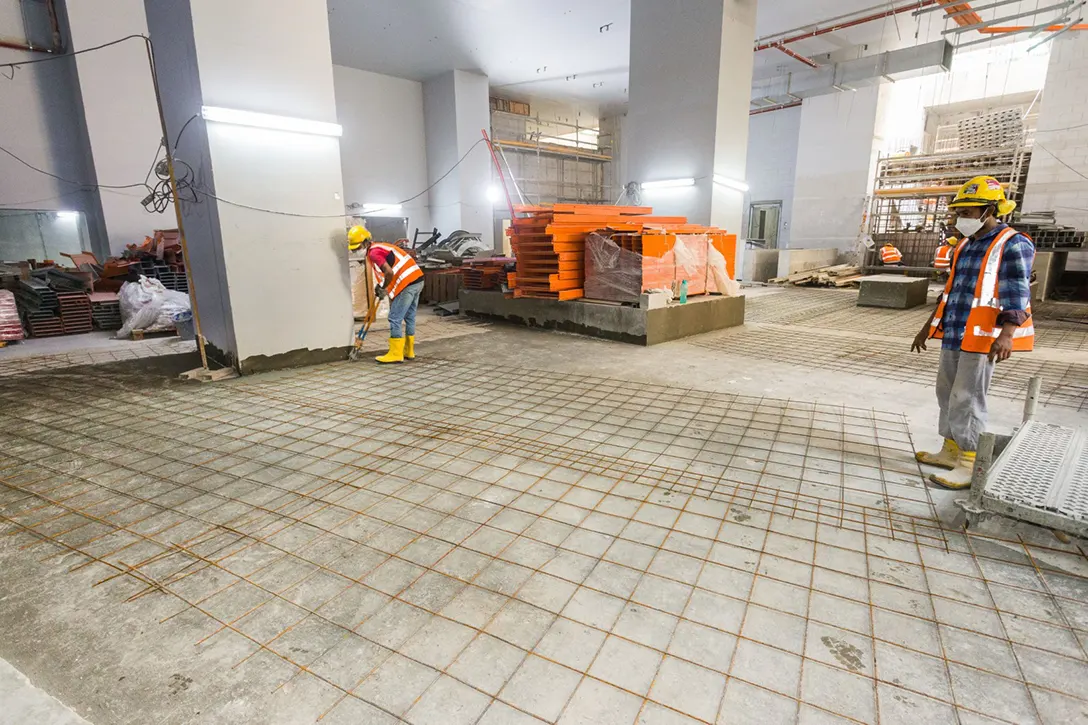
(1018, 28)
(955, 6)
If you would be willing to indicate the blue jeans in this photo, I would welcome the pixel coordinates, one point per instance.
(402, 311)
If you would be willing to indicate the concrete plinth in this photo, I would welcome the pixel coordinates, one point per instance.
(893, 292)
(611, 322)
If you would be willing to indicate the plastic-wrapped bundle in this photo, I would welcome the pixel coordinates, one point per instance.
(148, 306)
(612, 273)
(10, 327)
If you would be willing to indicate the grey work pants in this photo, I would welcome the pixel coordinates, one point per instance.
(963, 381)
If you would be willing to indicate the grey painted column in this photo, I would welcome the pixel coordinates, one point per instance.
(267, 243)
(455, 110)
(119, 107)
(691, 77)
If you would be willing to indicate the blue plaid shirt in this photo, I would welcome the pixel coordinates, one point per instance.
(1013, 284)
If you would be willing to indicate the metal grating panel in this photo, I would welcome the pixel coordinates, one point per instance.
(1045, 467)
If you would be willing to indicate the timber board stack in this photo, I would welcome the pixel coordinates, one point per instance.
(839, 275)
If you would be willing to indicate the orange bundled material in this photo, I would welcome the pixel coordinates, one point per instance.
(549, 244)
(621, 266)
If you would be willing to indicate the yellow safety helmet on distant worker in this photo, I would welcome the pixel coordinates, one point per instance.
(983, 191)
(358, 235)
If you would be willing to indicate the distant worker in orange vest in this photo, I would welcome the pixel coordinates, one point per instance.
(943, 259)
(983, 317)
(401, 280)
(890, 256)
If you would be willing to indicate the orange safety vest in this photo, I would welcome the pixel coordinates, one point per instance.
(982, 328)
(943, 260)
(890, 255)
(405, 269)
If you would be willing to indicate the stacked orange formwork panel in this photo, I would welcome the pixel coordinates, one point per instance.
(549, 244)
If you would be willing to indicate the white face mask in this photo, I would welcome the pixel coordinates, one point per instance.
(970, 227)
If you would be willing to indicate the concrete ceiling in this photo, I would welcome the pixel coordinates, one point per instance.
(579, 49)
(526, 47)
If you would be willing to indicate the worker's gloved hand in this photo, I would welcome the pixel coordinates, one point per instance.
(380, 292)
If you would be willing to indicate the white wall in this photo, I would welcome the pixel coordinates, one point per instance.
(40, 122)
(1061, 138)
(772, 162)
(119, 107)
(985, 73)
(837, 151)
(383, 151)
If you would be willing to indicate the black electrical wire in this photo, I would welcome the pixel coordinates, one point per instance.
(209, 195)
(15, 65)
(183, 127)
(67, 181)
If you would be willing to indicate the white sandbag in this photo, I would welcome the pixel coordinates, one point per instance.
(148, 306)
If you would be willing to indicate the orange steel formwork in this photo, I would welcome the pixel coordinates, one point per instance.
(549, 243)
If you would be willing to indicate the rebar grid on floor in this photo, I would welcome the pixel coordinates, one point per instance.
(838, 310)
(390, 553)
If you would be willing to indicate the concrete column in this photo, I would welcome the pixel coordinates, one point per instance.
(836, 161)
(119, 107)
(455, 110)
(691, 75)
(268, 250)
(1062, 136)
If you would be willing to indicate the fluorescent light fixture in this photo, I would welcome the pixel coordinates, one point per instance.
(381, 209)
(267, 120)
(67, 215)
(731, 183)
(494, 193)
(667, 184)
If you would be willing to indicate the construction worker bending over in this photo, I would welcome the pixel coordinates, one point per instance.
(890, 256)
(401, 280)
(983, 317)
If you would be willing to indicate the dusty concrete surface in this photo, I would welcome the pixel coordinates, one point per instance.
(535, 527)
(621, 323)
(25, 703)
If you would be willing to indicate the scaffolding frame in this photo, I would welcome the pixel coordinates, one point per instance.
(911, 195)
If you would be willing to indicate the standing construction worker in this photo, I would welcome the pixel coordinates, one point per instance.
(401, 280)
(890, 256)
(943, 259)
(983, 317)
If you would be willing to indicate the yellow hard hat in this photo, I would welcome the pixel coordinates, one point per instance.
(358, 235)
(952, 241)
(983, 191)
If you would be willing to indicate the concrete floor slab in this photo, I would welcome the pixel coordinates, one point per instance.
(492, 544)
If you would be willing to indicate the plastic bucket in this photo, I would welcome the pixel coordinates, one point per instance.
(183, 321)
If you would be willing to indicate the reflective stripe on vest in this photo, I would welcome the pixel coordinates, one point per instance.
(890, 256)
(405, 270)
(982, 329)
(943, 260)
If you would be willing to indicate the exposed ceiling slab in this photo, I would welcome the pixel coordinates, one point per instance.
(580, 50)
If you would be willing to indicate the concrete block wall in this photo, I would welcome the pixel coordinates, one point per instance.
(772, 162)
(1062, 136)
(836, 161)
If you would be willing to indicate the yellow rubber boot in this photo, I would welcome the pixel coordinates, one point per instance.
(396, 351)
(410, 347)
(949, 457)
(959, 477)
